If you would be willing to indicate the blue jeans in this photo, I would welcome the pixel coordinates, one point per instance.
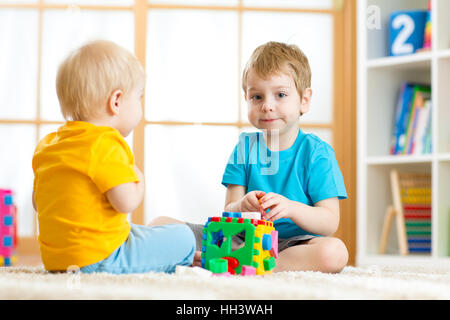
(158, 249)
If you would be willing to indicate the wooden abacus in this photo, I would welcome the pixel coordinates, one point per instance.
(411, 195)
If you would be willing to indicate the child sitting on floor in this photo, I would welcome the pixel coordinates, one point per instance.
(289, 176)
(86, 180)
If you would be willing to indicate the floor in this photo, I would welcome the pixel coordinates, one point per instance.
(374, 282)
(29, 261)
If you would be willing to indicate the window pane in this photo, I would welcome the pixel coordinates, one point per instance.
(47, 129)
(305, 4)
(18, 1)
(192, 66)
(130, 140)
(324, 134)
(198, 2)
(18, 63)
(295, 28)
(93, 2)
(184, 168)
(65, 30)
(17, 143)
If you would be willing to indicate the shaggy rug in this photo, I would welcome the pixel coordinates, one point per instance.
(372, 283)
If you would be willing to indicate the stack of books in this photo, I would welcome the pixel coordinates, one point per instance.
(412, 133)
(417, 210)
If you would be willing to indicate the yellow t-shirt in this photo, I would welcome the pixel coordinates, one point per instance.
(73, 169)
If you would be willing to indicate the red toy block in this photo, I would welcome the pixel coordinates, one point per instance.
(233, 263)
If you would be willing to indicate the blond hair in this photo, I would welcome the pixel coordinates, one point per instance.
(91, 73)
(275, 57)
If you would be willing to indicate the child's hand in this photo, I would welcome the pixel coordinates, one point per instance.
(250, 202)
(280, 207)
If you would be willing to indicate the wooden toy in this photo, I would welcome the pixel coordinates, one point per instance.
(411, 195)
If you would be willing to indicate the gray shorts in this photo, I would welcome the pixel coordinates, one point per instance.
(239, 239)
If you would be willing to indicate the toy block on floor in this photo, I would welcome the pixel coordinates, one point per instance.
(255, 256)
(8, 228)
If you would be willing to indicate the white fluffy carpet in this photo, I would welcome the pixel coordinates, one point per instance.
(373, 283)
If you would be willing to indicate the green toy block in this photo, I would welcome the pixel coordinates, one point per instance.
(217, 239)
(269, 263)
(218, 265)
(244, 255)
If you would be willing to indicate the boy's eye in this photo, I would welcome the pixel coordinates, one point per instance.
(256, 97)
(281, 95)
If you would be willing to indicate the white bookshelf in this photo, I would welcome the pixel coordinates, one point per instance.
(379, 81)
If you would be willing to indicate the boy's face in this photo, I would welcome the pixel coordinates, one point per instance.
(274, 103)
(131, 111)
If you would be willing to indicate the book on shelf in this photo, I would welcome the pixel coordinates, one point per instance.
(412, 120)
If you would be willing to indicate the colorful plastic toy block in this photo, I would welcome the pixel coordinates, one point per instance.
(428, 30)
(8, 234)
(257, 254)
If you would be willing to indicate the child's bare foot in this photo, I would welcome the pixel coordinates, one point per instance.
(197, 259)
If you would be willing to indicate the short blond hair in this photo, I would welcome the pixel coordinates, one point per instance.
(275, 57)
(91, 73)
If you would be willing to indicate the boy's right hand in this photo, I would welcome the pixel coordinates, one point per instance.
(250, 202)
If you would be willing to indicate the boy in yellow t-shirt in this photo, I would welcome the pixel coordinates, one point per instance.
(85, 177)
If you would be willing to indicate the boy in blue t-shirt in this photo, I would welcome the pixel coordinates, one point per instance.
(292, 178)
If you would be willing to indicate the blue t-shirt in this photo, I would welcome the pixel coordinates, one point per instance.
(307, 172)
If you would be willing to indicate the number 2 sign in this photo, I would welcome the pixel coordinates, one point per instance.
(406, 32)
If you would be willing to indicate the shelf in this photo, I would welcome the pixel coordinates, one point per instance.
(397, 260)
(444, 54)
(415, 61)
(380, 78)
(419, 61)
(444, 157)
(400, 159)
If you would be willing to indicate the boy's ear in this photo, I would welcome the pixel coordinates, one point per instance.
(114, 102)
(306, 101)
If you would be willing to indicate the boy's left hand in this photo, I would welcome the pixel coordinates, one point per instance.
(280, 207)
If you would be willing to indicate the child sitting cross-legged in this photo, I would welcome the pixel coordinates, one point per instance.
(290, 177)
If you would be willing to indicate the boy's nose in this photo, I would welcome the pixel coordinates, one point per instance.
(266, 107)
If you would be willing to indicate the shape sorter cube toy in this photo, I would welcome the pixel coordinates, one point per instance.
(8, 239)
(256, 256)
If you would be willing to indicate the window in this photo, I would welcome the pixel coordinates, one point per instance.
(194, 53)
